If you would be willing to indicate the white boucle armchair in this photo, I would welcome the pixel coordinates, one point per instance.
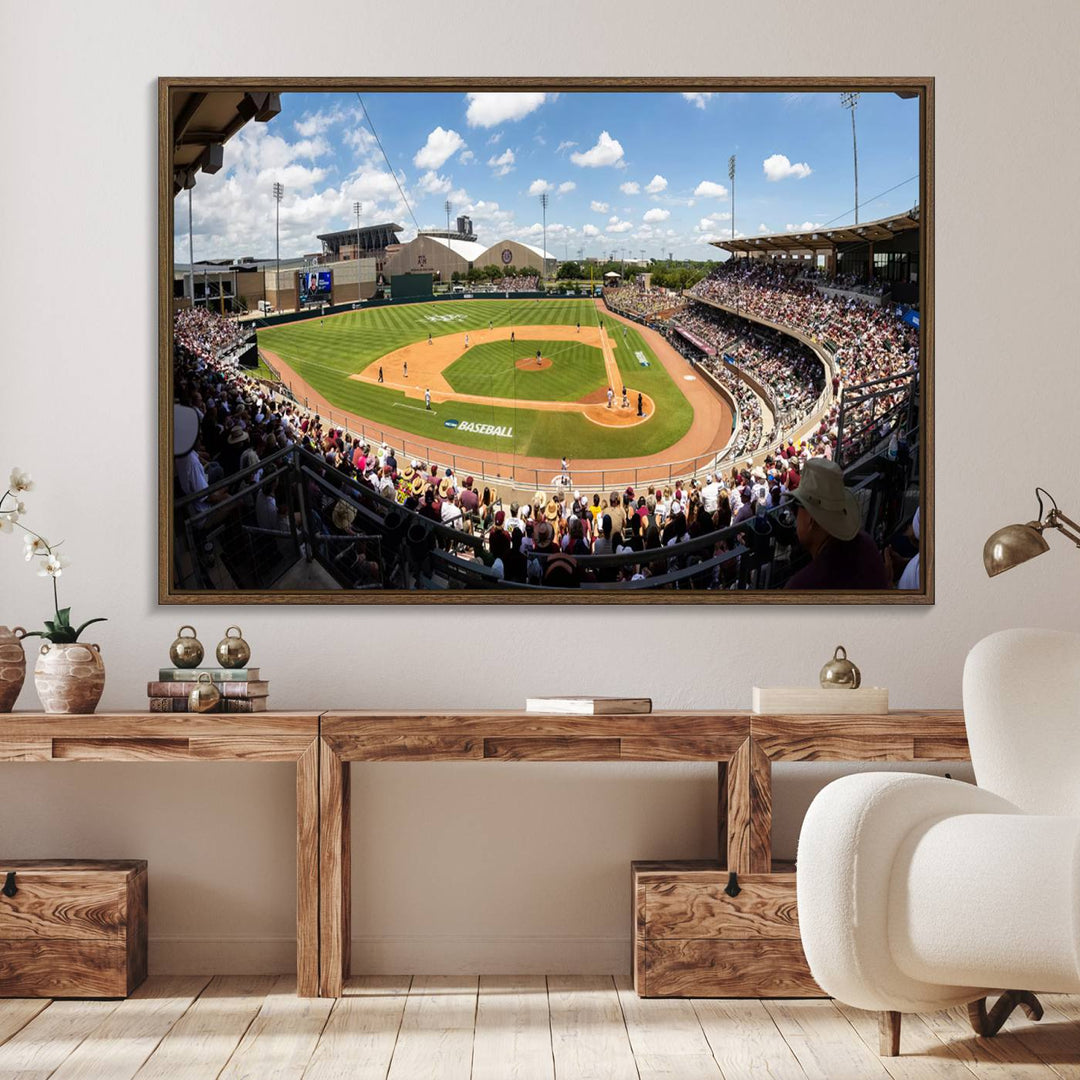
(917, 893)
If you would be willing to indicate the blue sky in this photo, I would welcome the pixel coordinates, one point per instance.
(624, 172)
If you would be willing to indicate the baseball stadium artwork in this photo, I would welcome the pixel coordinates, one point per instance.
(564, 341)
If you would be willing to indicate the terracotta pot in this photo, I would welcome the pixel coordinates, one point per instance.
(12, 666)
(69, 678)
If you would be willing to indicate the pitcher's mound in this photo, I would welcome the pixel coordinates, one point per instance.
(529, 363)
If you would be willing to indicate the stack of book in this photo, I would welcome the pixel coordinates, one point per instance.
(588, 706)
(241, 689)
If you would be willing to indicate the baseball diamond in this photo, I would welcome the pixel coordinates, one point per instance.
(523, 383)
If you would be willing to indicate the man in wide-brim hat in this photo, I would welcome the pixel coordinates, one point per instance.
(828, 524)
(344, 515)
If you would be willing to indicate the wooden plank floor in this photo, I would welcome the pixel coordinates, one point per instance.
(524, 1027)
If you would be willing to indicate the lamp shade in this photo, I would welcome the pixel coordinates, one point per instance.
(1012, 545)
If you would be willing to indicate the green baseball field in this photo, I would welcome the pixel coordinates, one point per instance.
(488, 391)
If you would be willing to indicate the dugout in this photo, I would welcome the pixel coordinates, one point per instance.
(407, 286)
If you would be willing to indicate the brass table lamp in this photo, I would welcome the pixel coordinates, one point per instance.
(1014, 544)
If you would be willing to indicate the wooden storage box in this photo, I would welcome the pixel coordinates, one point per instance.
(72, 928)
(691, 939)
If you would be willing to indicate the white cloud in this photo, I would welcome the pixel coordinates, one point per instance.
(806, 226)
(777, 167)
(504, 163)
(317, 122)
(360, 139)
(631, 187)
(566, 144)
(656, 185)
(431, 183)
(656, 214)
(607, 151)
(494, 138)
(540, 187)
(590, 230)
(614, 225)
(466, 157)
(710, 189)
(235, 205)
(487, 110)
(763, 228)
(599, 207)
(566, 186)
(440, 146)
(697, 100)
(488, 216)
(705, 225)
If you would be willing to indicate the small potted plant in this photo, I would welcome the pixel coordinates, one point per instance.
(69, 674)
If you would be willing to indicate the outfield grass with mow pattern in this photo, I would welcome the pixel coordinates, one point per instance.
(326, 352)
(492, 369)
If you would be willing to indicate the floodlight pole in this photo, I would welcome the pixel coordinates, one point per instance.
(850, 100)
(190, 244)
(279, 194)
(731, 177)
(543, 257)
(357, 210)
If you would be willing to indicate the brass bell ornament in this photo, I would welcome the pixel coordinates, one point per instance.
(186, 651)
(840, 673)
(233, 652)
(204, 696)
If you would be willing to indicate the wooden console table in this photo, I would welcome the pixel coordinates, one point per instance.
(743, 746)
(260, 737)
(323, 745)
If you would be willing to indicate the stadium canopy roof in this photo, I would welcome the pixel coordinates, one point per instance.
(348, 235)
(469, 250)
(539, 251)
(823, 239)
(202, 122)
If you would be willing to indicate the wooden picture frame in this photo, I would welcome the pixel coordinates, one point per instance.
(174, 588)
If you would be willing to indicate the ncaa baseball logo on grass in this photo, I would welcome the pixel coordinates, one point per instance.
(497, 430)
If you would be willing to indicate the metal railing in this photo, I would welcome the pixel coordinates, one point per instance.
(364, 540)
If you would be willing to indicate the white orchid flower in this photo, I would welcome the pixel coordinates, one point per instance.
(7, 520)
(20, 481)
(53, 566)
(34, 545)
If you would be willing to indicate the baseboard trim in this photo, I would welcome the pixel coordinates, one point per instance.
(393, 954)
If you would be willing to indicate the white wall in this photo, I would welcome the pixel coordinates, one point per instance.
(496, 867)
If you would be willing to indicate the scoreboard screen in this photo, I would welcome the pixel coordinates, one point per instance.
(315, 286)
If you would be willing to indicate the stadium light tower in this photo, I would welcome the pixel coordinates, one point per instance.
(189, 183)
(447, 207)
(850, 100)
(358, 208)
(279, 194)
(731, 177)
(543, 258)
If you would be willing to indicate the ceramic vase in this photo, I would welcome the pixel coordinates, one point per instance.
(12, 666)
(69, 678)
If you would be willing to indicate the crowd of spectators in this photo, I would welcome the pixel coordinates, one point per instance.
(868, 341)
(242, 421)
(846, 282)
(750, 432)
(509, 283)
(791, 375)
(206, 335)
(643, 303)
